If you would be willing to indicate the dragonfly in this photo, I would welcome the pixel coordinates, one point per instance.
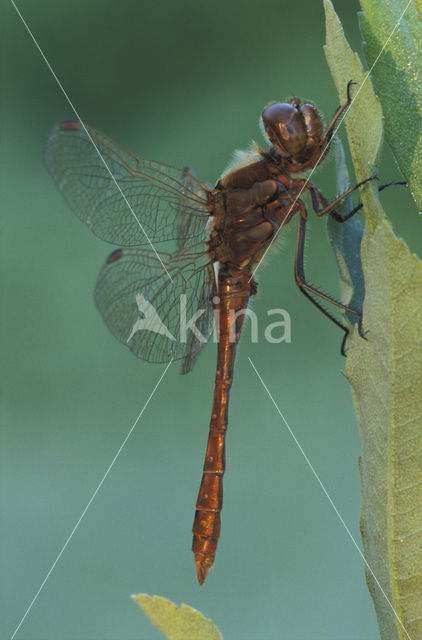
(212, 239)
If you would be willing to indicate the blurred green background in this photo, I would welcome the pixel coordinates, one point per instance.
(181, 82)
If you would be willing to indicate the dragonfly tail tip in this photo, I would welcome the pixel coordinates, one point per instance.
(203, 564)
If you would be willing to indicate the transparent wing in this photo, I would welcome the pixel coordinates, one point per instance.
(183, 221)
(149, 313)
(145, 202)
(205, 324)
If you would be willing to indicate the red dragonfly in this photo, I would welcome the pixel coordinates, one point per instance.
(219, 234)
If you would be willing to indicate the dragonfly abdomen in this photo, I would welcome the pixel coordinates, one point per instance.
(234, 289)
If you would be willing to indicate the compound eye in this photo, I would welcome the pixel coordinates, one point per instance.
(285, 128)
(312, 121)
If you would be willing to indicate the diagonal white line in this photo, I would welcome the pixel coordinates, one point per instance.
(328, 143)
(89, 136)
(90, 502)
(308, 462)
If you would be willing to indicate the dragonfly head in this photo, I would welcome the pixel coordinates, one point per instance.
(293, 128)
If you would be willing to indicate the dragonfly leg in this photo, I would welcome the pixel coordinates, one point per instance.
(317, 198)
(324, 144)
(326, 138)
(329, 207)
(310, 291)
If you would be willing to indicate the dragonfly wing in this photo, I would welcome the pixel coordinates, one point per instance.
(204, 324)
(147, 311)
(190, 186)
(124, 199)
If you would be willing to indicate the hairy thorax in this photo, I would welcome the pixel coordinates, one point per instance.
(249, 204)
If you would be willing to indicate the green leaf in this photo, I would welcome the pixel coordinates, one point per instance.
(397, 76)
(363, 119)
(418, 5)
(177, 624)
(385, 372)
(345, 240)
